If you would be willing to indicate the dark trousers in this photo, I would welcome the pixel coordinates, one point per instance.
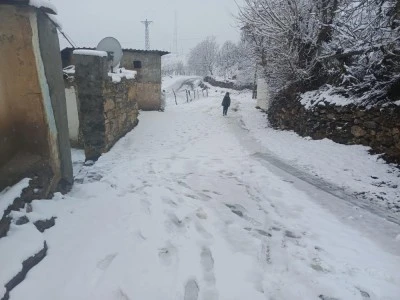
(225, 110)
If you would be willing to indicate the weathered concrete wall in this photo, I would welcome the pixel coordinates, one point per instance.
(50, 49)
(377, 127)
(149, 96)
(72, 112)
(33, 132)
(148, 77)
(107, 110)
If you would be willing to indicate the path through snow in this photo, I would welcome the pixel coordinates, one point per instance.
(181, 208)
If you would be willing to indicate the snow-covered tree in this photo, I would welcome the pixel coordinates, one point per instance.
(203, 58)
(173, 64)
(228, 59)
(353, 44)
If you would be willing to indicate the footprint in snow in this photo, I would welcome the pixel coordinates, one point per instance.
(106, 262)
(191, 290)
(167, 254)
(292, 235)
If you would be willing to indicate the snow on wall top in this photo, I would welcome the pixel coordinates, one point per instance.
(91, 53)
(122, 73)
(322, 97)
(46, 5)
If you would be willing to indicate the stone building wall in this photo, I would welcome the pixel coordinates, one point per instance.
(107, 110)
(120, 109)
(377, 127)
(148, 76)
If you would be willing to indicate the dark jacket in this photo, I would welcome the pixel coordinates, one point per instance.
(227, 101)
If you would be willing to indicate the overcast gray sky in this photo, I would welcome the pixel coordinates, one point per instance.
(88, 21)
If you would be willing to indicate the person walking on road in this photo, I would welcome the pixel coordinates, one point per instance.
(225, 104)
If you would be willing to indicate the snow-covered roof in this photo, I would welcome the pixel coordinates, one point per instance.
(160, 52)
(44, 5)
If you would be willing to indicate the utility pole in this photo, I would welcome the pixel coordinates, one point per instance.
(175, 42)
(147, 33)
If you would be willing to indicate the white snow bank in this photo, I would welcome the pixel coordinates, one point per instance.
(43, 3)
(91, 53)
(322, 97)
(8, 195)
(21, 243)
(122, 73)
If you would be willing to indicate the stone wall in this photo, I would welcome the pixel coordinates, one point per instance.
(107, 110)
(377, 127)
(227, 84)
(120, 109)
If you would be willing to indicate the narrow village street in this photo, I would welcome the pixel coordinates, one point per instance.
(186, 207)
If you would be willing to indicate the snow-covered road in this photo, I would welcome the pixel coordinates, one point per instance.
(184, 208)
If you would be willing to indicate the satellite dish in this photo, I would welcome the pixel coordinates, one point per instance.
(113, 48)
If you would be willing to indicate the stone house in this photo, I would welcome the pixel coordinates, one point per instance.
(147, 63)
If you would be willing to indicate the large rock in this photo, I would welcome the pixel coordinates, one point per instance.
(357, 131)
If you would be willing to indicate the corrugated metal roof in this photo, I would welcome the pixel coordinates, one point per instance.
(147, 51)
(160, 52)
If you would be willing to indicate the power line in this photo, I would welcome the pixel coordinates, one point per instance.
(175, 43)
(147, 33)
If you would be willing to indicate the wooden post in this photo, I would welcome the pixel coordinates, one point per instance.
(175, 97)
(187, 96)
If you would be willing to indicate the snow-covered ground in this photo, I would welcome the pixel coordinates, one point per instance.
(187, 206)
(349, 169)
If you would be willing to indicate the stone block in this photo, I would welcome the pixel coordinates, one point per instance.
(109, 105)
(357, 131)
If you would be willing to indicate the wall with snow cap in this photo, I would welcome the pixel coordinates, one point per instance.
(321, 114)
(107, 107)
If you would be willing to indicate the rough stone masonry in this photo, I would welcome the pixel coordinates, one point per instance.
(107, 110)
(377, 127)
